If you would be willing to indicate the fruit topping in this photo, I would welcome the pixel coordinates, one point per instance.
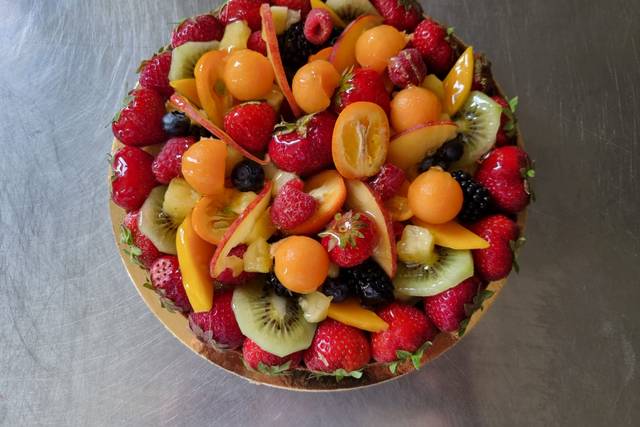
(188, 89)
(302, 6)
(248, 176)
(236, 36)
(137, 246)
(218, 327)
(176, 123)
(267, 363)
(370, 283)
(250, 125)
(301, 264)
(402, 14)
(212, 215)
(338, 288)
(338, 348)
(248, 75)
(360, 140)
(132, 178)
(454, 236)
(140, 122)
(406, 148)
(167, 164)
(398, 206)
(349, 238)
(257, 258)
(407, 68)
(179, 200)
(416, 246)
(257, 43)
(315, 306)
(335, 18)
(154, 74)
(208, 73)
(166, 281)
(318, 26)
(235, 273)
(457, 84)
(450, 152)
(343, 55)
(431, 39)
(435, 196)
(295, 48)
(447, 309)
(242, 10)
(273, 322)
(508, 121)
(185, 57)
(435, 85)
(477, 200)
(201, 28)
(292, 207)
(203, 166)
(361, 84)
(376, 46)
(155, 224)
(388, 182)
(351, 313)
(414, 106)
(314, 84)
(496, 261)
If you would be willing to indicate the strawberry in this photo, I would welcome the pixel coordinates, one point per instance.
(166, 280)
(304, 6)
(250, 125)
(140, 249)
(242, 10)
(338, 349)
(132, 178)
(507, 121)
(447, 309)
(349, 238)
(268, 363)
(409, 328)
(304, 147)
(218, 327)
(257, 43)
(506, 173)
(227, 277)
(154, 74)
(168, 163)
(291, 207)
(201, 28)
(402, 14)
(140, 122)
(361, 84)
(388, 181)
(318, 26)
(495, 262)
(431, 39)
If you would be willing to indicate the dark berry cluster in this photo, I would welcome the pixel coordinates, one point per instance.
(370, 283)
(295, 49)
(449, 152)
(477, 200)
(278, 287)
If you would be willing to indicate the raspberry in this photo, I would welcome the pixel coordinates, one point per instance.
(407, 68)
(388, 181)
(218, 326)
(167, 164)
(318, 26)
(257, 43)
(292, 207)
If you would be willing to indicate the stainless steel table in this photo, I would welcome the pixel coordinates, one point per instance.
(560, 347)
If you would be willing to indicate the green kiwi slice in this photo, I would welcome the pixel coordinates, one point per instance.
(453, 266)
(351, 9)
(275, 323)
(156, 224)
(478, 121)
(185, 57)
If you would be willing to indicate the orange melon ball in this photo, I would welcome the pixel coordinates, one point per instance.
(301, 264)
(248, 75)
(435, 196)
(314, 84)
(376, 46)
(414, 106)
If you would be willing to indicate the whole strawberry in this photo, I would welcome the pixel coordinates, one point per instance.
(227, 277)
(291, 207)
(402, 14)
(506, 173)
(139, 248)
(242, 10)
(201, 28)
(349, 238)
(166, 280)
(337, 346)
(432, 41)
(167, 164)
(447, 309)
(218, 326)
(361, 84)
(304, 147)
(132, 178)
(495, 262)
(250, 125)
(507, 130)
(154, 74)
(388, 181)
(140, 122)
(409, 328)
(257, 43)
(304, 6)
(268, 363)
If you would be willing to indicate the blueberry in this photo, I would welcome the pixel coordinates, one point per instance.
(451, 151)
(176, 123)
(278, 287)
(336, 288)
(248, 176)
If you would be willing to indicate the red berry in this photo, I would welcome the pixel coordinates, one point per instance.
(407, 68)
(132, 179)
(250, 125)
(227, 277)
(431, 40)
(218, 326)
(507, 123)
(318, 26)
(139, 247)
(257, 43)
(201, 28)
(361, 84)
(446, 310)
(166, 280)
(140, 122)
(254, 356)
(242, 10)
(304, 6)
(350, 238)
(388, 181)
(505, 173)
(337, 346)
(168, 162)
(495, 262)
(398, 228)
(154, 74)
(304, 147)
(409, 328)
(402, 14)
(292, 207)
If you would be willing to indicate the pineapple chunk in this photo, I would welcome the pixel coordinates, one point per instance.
(274, 98)
(416, 246)
(263, 229)
(283, 18)
(179, 200)
(236, 35)
(257, 258)
(241, 200)
(315, 306)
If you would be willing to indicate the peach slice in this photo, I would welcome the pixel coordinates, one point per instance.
(409, 147)
(322, 54)
(182, 104)
(453, 235)
(343, 55)
(273, 52)
(240, 230)
(194, 255)
(362, 198)
(457, 84)
(208, 73)
(351, 313)
(329, 190)
(187, 88)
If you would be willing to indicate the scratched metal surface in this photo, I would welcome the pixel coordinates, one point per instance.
(560, 347)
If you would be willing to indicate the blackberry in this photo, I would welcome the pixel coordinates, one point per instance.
(477, 201)
(278, 287)
(370, 283)
(295, 49)
(337, 288)
(176, 123)
(248, 176)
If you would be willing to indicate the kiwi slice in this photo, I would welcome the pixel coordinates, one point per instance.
(351, 9)
(453, 266)
(478, 122)
(156, 224)
(275, 323)
(184, 58)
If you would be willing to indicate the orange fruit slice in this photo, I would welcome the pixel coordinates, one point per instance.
(457, 84)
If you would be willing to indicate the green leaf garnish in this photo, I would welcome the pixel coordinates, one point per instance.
(469, 309)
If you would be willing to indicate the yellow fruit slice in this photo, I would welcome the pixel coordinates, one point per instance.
(453, 235)
(435, 85)
(187, 88)
(351, 313)
(457, 84)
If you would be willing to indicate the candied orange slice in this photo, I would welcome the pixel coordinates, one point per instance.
(457, 84)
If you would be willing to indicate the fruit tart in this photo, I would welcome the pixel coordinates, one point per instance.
(318, 195)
